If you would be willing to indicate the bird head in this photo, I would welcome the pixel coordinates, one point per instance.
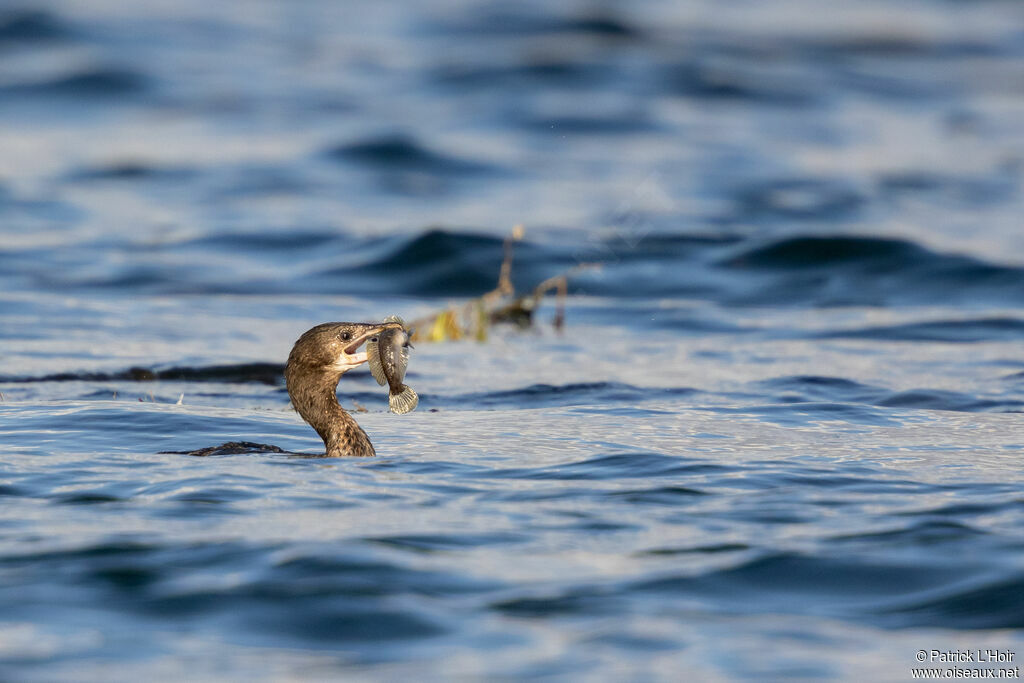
(333, 346)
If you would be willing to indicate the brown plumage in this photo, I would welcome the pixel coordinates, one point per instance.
(317, 361)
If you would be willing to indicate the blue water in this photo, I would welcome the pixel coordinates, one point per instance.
(778, 438)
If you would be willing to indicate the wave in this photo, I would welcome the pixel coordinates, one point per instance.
(865, 271)
(745, 84)
(507, 21)
(403, 153)
(32, 26)
(86, 84)
(616, 466)
(442, 263)
(802, 252)
(951, 331)
(727, 269)
(818, 388)
(798, 400)
(807, 397)
(312, 597)
(997, 604)
(628, 123)
(127, 171)
(580, 393)
(261, 373)
(883, 594)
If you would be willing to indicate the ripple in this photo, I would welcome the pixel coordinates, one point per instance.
(926, 533)
(947, 331)
(563, 72)
(340, 625)
(934, 399)
(261, 373)
(792, 271)
(508, 21)
(625, 124)
(844, 271)
(822, 252)
(85, 498)
(661, 495)
(87, 84)
(580, 604)
(615, 466)
(801, 414)
(440, 263)
(975, 191)
(811, 388)
(734, 83)
(445, 542)
(997, 604)
(804, 199)
(698, 550)
(131, 171)
(31, 26)
(400, 153)
(584, 393)
(838, 582)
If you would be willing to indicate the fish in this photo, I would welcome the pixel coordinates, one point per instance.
(388, 357)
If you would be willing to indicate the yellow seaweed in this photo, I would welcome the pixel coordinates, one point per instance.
(500, 305)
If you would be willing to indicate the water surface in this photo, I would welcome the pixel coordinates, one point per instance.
(778, 438)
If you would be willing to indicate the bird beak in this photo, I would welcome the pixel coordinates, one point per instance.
(350, 357)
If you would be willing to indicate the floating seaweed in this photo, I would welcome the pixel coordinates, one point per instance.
(470, 320)
(501, 305)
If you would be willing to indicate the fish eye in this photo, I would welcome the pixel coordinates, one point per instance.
(345, 336)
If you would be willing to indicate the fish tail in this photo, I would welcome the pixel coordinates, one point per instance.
(405, 401)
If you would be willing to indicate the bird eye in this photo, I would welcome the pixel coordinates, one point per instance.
(345, 336)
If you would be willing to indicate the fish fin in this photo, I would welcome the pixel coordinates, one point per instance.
(376, 366)
(403, 402)
(396, 319)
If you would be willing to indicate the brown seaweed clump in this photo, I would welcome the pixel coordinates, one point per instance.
(501, 305)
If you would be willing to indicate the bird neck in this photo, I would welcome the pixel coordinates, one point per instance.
(314, 396)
